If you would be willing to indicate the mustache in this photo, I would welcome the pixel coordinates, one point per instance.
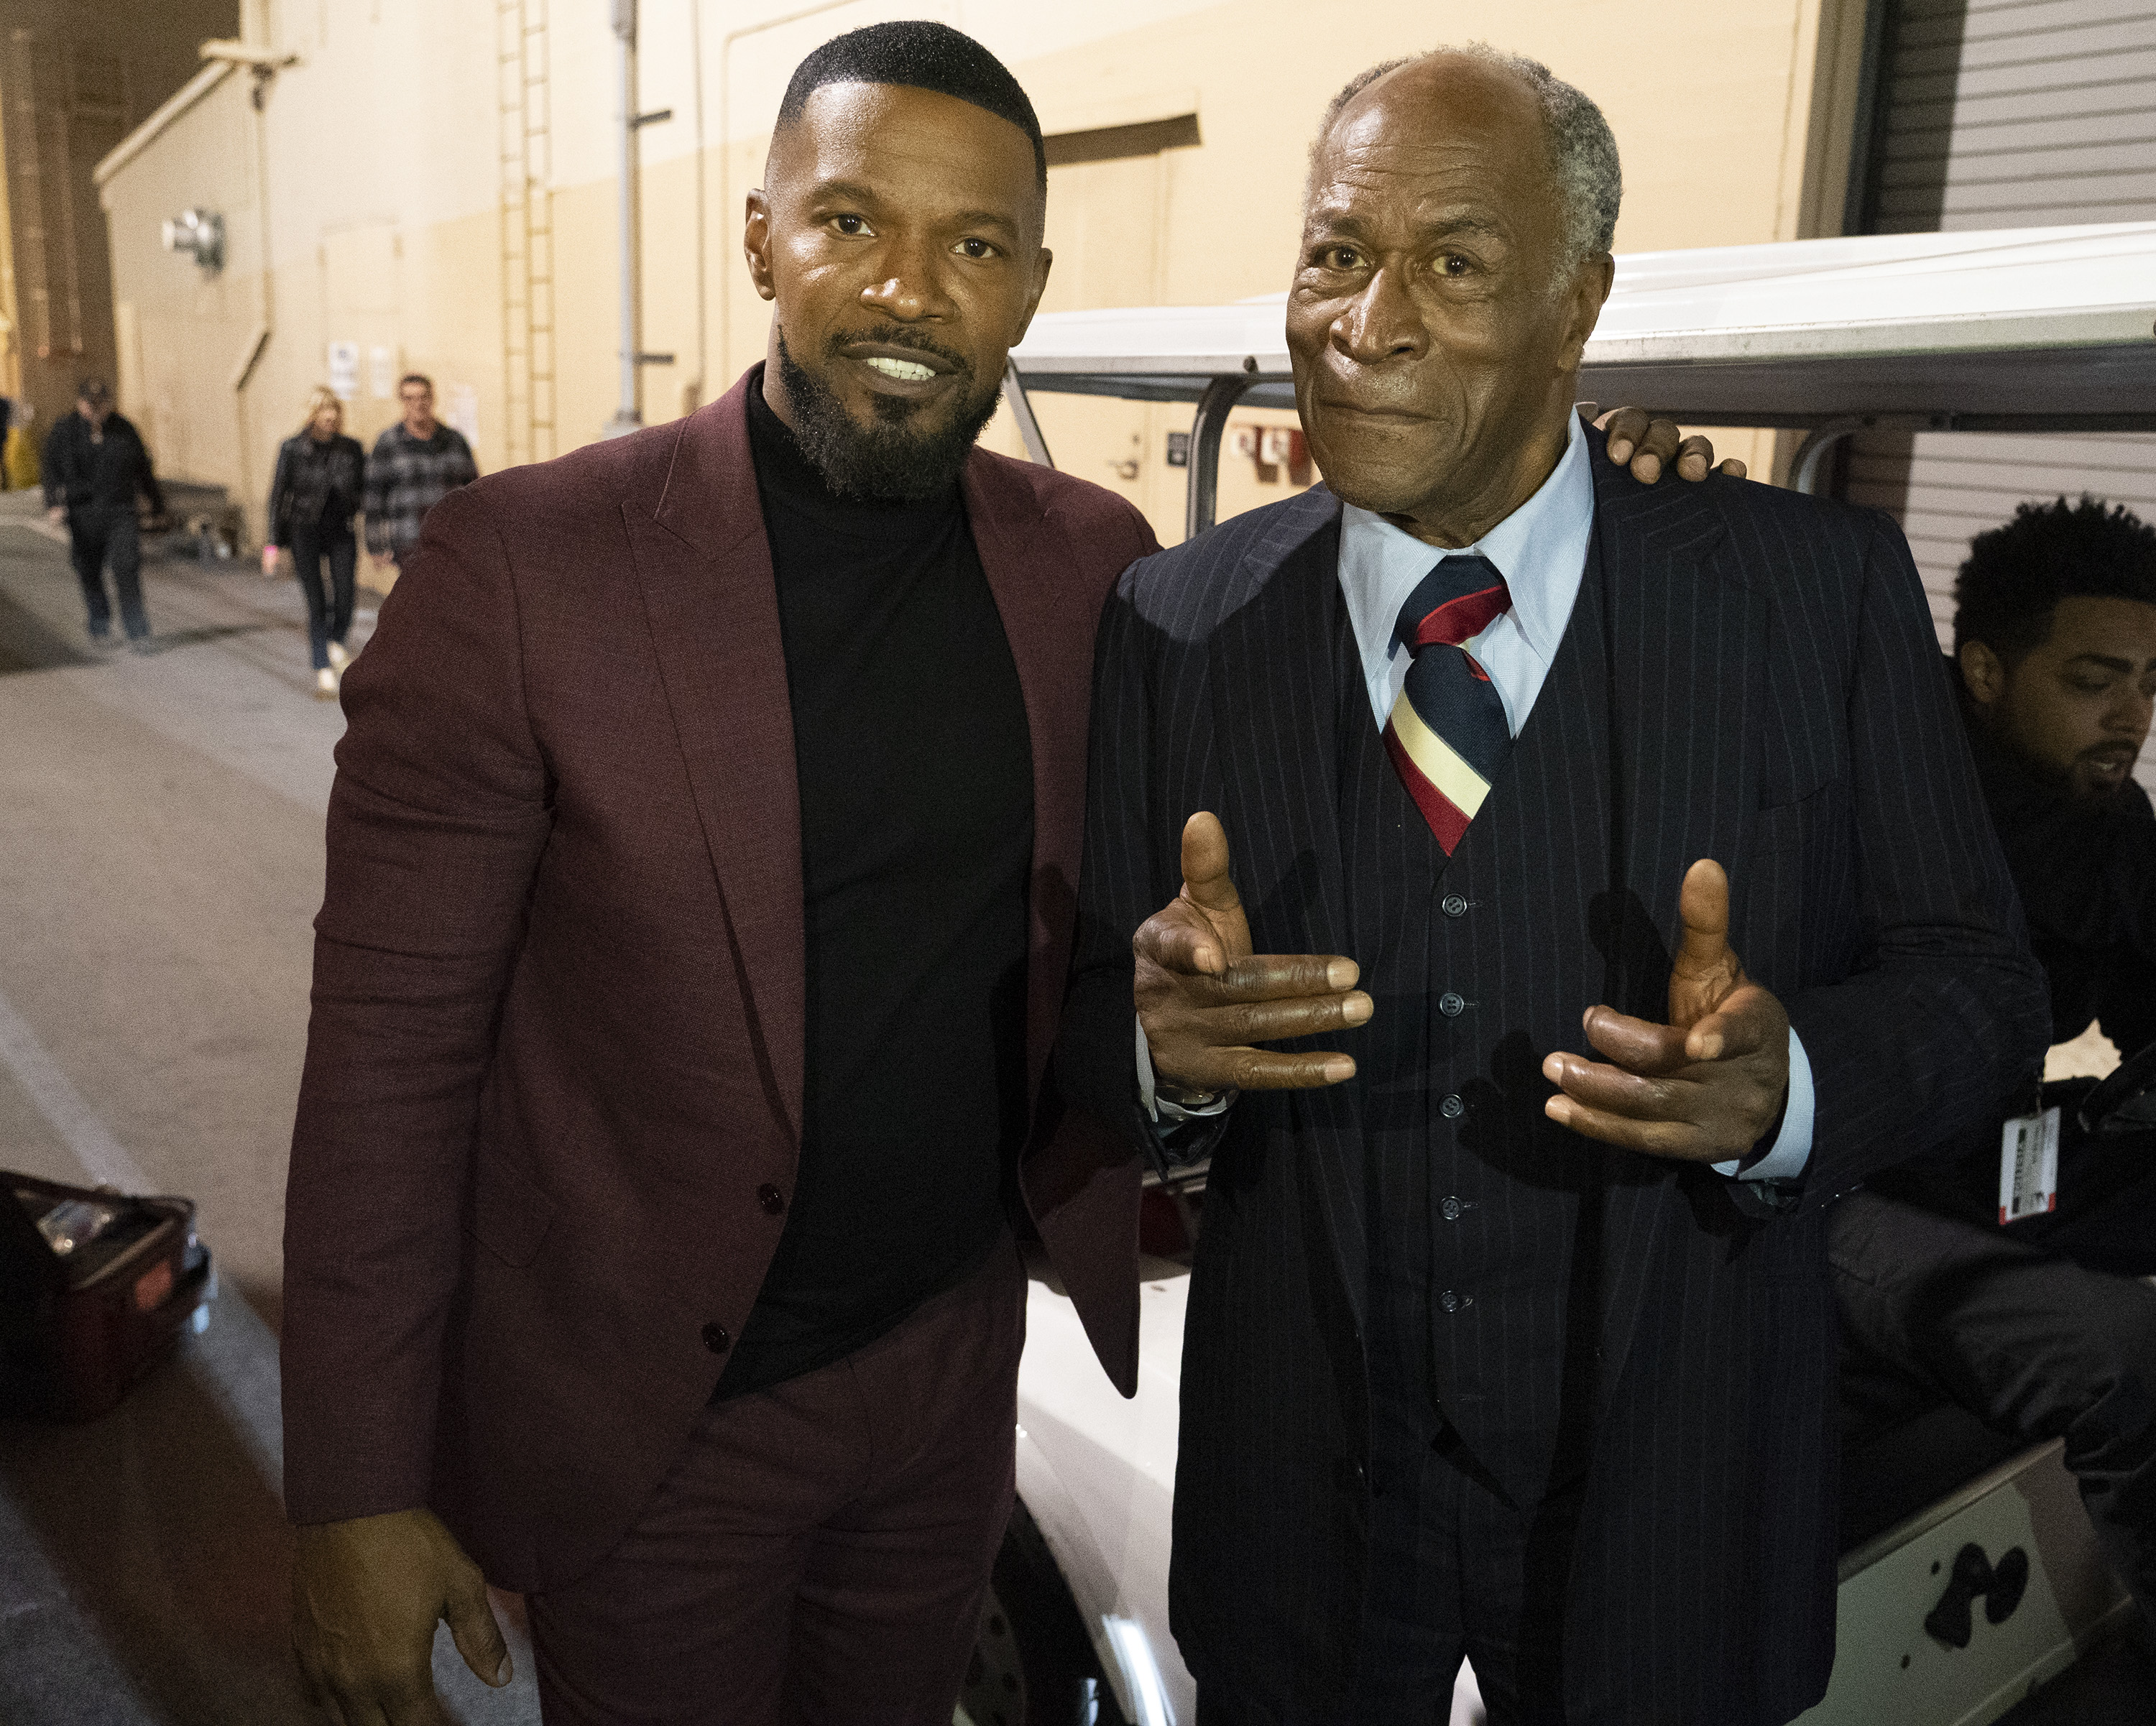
(899, 336)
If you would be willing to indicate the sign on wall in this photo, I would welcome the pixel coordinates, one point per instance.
(344, 370)
(380, 373)
(464, 410)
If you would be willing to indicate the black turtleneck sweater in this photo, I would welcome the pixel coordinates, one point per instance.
(915, 772)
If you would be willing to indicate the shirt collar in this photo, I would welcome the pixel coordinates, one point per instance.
(1540, 548)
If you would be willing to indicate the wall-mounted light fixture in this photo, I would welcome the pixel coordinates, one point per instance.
(199, 233)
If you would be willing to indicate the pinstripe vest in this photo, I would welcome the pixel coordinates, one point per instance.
(1479, 965)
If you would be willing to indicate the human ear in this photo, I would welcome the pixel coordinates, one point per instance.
(1982, 675)
(756, 244)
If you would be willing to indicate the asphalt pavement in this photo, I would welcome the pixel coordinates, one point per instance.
(161, 863)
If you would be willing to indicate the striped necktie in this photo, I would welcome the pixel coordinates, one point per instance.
(1447, 734)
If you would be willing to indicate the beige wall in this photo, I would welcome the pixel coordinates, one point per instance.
(75, 77)
(380, 163)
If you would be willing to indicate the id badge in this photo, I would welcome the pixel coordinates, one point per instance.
(2029, 1166)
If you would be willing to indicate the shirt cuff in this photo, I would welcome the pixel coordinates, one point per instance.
(1158, 1107)
(1792, 1149)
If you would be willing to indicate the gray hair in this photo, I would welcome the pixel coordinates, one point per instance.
(1583, 150)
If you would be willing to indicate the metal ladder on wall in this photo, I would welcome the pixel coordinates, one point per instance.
(527, 230)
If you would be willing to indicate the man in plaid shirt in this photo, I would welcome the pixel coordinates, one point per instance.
(416, 463)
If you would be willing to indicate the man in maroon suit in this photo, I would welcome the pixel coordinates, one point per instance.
(701, 893)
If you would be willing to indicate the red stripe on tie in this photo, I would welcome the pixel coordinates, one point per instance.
(1464, 618)
(1444, 816)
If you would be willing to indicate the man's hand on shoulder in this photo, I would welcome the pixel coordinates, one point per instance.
(1705, 1086)
(1646, 444)
(1204, 1000)
(365, 1596)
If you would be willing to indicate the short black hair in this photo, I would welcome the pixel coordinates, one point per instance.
(420, 378)
(2017, 574)
(921, 55)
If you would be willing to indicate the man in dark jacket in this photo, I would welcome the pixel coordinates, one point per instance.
(2004, 1273)
(1510, 1332)
(94, 467)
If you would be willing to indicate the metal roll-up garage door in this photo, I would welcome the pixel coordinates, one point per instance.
(2005, 114)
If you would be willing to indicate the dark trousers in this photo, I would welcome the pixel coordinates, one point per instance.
(94, 540)
(2036, 1346)
(821, 1551)
(1455, 1571)
(329, 605)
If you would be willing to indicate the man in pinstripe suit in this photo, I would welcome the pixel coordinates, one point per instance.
(1510, 1334)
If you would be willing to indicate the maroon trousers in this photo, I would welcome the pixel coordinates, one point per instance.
(820, 1551)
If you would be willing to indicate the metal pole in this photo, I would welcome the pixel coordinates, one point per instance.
(1029, 427)
(1202, 498)
(1810, 468)
(626, 418)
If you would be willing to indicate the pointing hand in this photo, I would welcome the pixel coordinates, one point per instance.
(1204, 1000)
(1707, 1086)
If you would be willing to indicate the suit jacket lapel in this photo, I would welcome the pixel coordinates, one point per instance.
(1275, 755)
(1686, 632)
(1275, 721)
(1045, 606)
(704, 566)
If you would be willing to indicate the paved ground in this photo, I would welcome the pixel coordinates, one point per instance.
(160, 864)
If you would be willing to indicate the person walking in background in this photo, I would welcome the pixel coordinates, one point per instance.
(94, 467)
(318, 488)
(417, 463)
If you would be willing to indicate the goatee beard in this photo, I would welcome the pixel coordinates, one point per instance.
(890, 461)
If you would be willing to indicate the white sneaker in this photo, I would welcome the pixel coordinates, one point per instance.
(326, 685)
(338, 658)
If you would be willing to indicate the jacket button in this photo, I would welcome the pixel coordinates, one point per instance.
(1449, 1210)
(1453, 1303)
(1452, 1108)
(770, 1198)
(717, 1340)
(1453, 905)
(1451, 1005)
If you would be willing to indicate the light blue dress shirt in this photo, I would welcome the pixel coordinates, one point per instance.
(1541, 550)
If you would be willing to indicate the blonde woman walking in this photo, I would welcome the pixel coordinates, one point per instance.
(320, 482)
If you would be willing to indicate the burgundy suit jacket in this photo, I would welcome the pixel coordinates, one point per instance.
(558, 1035)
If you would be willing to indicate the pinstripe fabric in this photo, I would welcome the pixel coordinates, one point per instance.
(1749, 675)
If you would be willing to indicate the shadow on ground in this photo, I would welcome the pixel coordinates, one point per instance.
(147, 1573)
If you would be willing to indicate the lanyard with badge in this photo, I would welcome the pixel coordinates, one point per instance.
(2029, 1162)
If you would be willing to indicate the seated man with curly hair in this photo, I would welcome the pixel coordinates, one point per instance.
(2025, 1307)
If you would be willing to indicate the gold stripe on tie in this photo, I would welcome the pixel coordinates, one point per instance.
(1441, 765)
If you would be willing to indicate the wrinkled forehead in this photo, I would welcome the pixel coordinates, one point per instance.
(1441, 134)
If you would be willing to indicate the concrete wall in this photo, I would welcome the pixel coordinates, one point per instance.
(435, 179)
(75, 77)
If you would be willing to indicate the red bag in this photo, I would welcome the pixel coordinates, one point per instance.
(95, 1288)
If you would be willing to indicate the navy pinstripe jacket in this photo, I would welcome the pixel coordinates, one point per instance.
(1749, 675)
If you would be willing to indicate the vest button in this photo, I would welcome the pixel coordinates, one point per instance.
(1453, 905)
(1451, 1005)
(1449, 1210)
(770, 1198)
(1453, 1303)
(717, 1340)
(1452, 1108)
